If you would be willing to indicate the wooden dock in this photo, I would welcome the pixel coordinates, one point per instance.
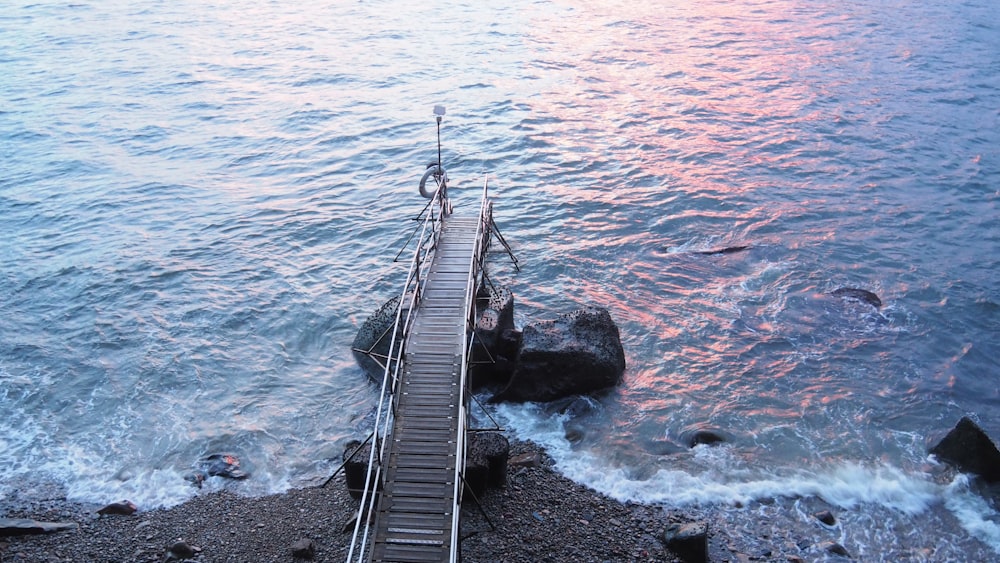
(416, 518)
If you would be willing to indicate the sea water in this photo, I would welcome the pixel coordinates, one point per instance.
(201, 202)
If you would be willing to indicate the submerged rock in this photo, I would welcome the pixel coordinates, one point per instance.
(968, 448)
(217, 465)
(860, 295)
(577, 353)
(726, 250)
(704, 437)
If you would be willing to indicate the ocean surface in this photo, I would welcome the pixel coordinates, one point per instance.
(200, 203)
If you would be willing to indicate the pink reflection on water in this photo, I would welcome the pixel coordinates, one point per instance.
(685, 100)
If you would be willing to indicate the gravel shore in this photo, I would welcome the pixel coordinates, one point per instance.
(539, 516)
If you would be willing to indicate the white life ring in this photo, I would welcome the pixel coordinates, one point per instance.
(427, 174)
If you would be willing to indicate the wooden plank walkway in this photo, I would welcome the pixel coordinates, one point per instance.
(414, 521)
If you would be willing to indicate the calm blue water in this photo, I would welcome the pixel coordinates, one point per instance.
(200, 203)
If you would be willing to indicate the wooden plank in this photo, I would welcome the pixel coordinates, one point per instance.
(422, 460)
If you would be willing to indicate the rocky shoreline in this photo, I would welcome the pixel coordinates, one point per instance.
(538, 516)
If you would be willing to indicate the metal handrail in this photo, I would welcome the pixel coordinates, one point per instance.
(471, 287)
(409, 299)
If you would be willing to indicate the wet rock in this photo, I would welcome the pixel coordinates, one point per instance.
(305, 548)
(576, 354)
(726, 250)
(222, 465)
(26, 526)
(527, 459)
(662, 447)
(574, 433)
(123, 508)
(704, 436)
(968, 448)
(688, 541)
(834, 548)
(373, 340)
(860, 295)
(196, 478)
(826, 517)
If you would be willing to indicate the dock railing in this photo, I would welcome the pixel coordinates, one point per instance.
(429, 234)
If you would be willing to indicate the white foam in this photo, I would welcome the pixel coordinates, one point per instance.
(29, 452)
(710, 475)
(972, 512)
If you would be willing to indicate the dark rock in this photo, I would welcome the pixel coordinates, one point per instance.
(662, 447)
(222, 465)
(704, 436)
(574, 407)
(834, 548)
(527, 459)
(181, 550)
(197, 477)
(305, 548)
(969, 449)
(371, 344)
(861, 295)
(123, 508)
(688, 541)
(726, 250)
(826, 517)
(574, 434)
(26, 526)
(578, 353)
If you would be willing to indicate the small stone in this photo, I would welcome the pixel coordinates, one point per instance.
(305, 548)
(826, 517)
(834, 548)
(182, 550)
(123, 508)
(529, 459)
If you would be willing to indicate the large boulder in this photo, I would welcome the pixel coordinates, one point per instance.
(371, 344)
(969, 449)
(577, 353)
